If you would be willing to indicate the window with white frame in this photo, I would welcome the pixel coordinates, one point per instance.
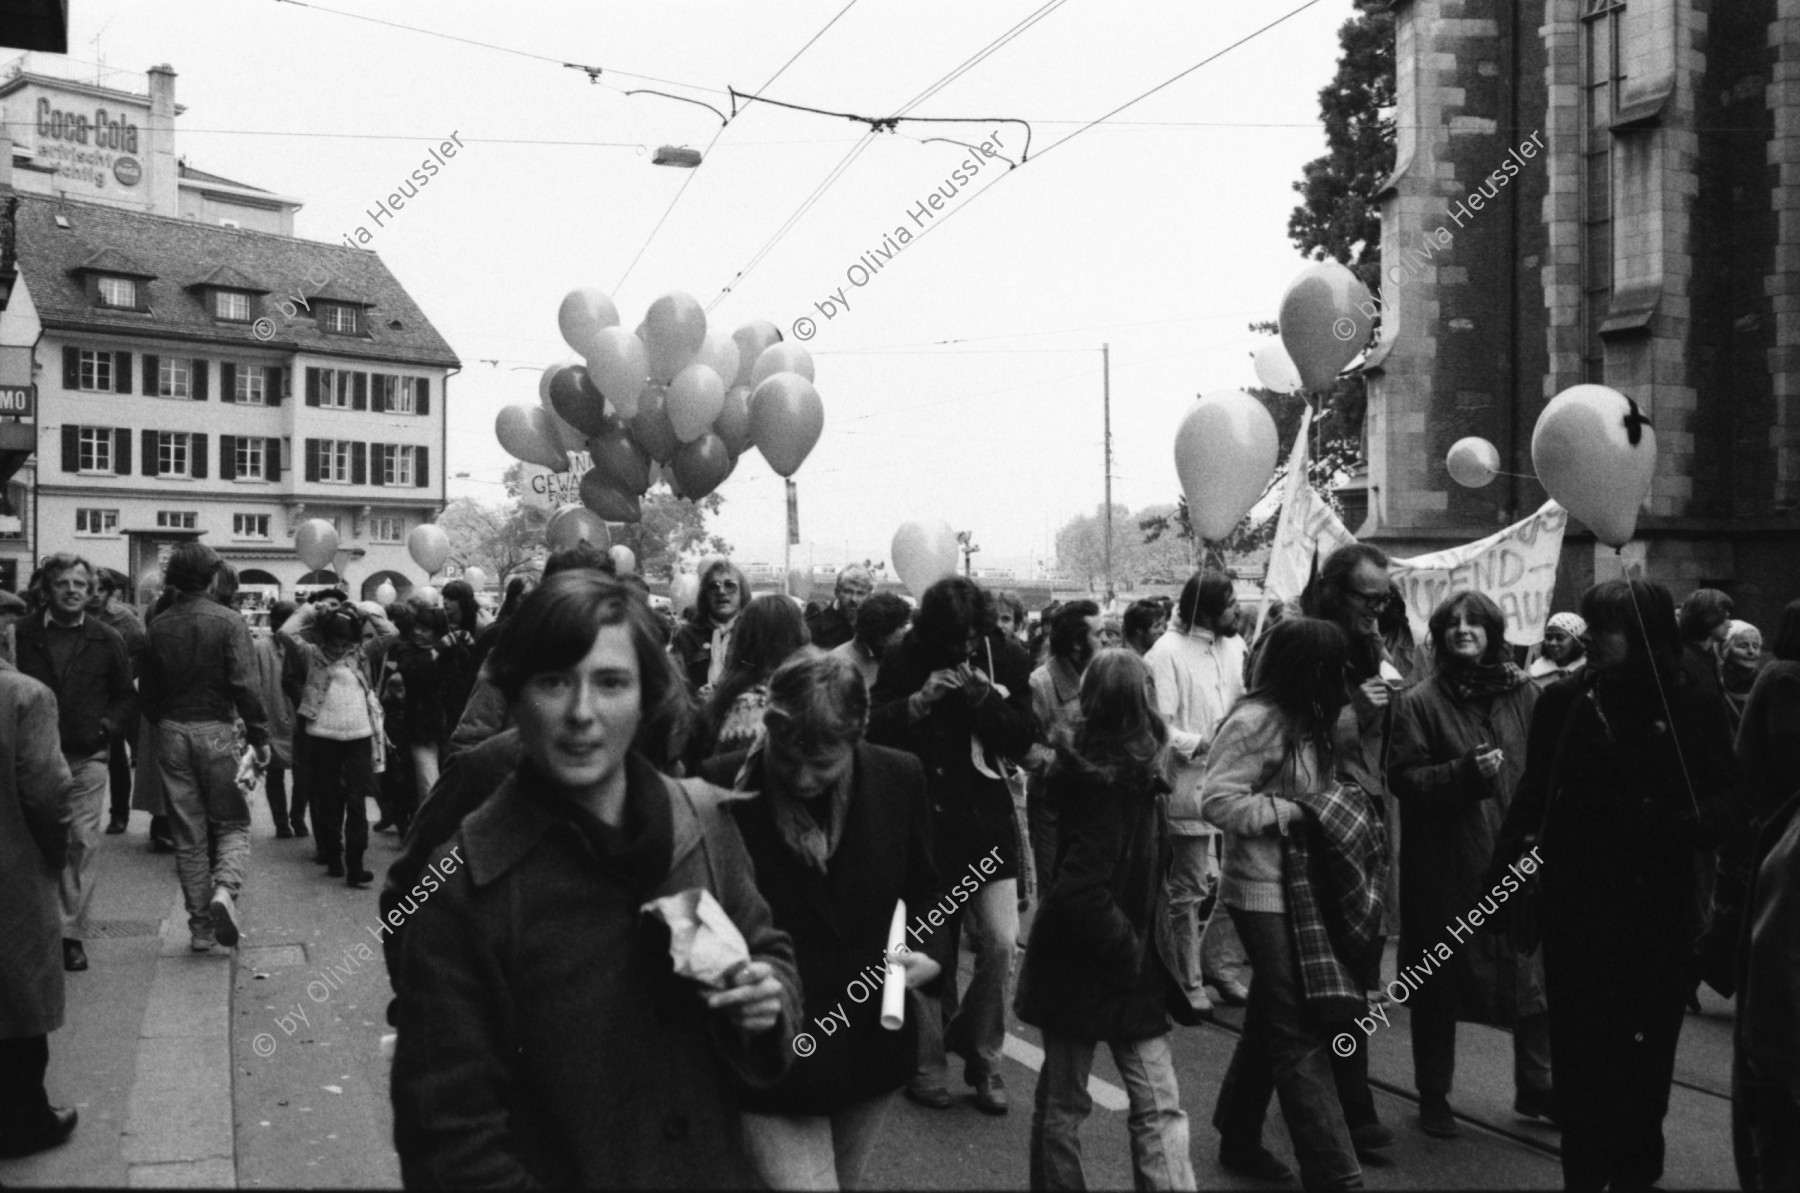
(95, 521)
(231, 304)
(250, 526)
(96, 375)
(334, 460)
(335, 317)
(252, 386)
(250, 458)
(397, 464)
(400, 396)
(118, 292)
(336, 388)
(177, 520)
(95, 452)
(173, 453)
(174, 377)
(387, 530)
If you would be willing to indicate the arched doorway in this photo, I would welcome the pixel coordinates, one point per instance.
(402, 584)
(313, 581)
(257, 593)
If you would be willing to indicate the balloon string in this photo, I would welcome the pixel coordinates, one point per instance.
(1656, 673)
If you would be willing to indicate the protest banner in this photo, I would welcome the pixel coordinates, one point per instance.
(550, 491)
(1516, 567)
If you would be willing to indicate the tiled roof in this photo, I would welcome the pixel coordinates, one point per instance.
(228, 277)
(188, 172)
(179, 253)
(111, 260)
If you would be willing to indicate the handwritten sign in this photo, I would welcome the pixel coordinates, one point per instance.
(547, 490)
(1516, 567)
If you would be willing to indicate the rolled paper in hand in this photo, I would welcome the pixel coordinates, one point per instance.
(893, 991)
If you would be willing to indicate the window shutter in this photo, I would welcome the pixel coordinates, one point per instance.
(122, 452)
(422, 404)
(312, 390)
(152, 384)
(149, 462)
(228, 457)
(312, 459)
(421, 467)
(378, 398)
(71, 435)
(200, 371)
(359, 463)
(378, 463)
(359, 394)
(272, 385)
(227, 382)
(71, 368)
(272, 457)
(197, 456)
(122, 372)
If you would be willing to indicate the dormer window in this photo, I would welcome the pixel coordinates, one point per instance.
(117, 292)
(231, 305)
(337, 318)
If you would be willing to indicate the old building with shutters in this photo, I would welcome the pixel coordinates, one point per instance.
(194, 375)
(1602, 191)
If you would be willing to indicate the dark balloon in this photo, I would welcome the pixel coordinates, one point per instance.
(577, 402)
(652, 429)
(702, 466)
(608, 502)
(621, 462)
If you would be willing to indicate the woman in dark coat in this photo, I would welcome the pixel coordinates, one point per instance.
(1094, 972)
(1459, 749)
(837, 830)
(1632, 795)
(545, 1036)
(957, 695)
(1768, 741)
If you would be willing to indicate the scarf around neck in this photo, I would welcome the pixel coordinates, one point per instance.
(808, 843)
(1471, 682)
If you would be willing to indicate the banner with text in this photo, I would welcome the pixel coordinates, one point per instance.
(547, 490)
(1516, 567)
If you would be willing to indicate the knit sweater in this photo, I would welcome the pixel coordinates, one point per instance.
(1247, 766)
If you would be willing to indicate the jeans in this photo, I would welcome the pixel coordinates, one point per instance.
(341, 775)
(977, 1028)
(87, 800)
(1158, 1125)
(1434, 1050)
(24, 1106)
(808, 1151)
(275, 788)
(118, 772)
(1206, 946)
(1283, 1052)
(207, 812)
(1351, 1073)
(297, 806)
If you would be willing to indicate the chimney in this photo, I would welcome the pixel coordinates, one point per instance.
(161, 174)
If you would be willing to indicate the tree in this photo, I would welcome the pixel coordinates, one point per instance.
(497, 538)
(672, 527)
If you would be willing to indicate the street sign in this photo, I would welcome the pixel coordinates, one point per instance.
(18, 400)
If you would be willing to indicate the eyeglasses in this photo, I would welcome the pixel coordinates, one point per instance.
(721, 586)
(1373, 600)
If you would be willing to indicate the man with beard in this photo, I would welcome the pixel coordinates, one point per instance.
(1055, 698)
(700, 645)
(1198, 666)
(835, 624)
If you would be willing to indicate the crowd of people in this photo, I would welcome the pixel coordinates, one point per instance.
(642, 921)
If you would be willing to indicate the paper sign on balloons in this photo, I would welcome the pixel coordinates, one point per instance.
(1225, 453)
(924, 553)
(1595, 453)
(1326, 317)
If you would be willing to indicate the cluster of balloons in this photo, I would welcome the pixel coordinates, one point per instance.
(316, 545)
(675, 401)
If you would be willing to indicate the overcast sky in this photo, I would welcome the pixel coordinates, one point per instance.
(1162, 231)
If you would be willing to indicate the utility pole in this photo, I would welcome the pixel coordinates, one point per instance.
(1106, 519)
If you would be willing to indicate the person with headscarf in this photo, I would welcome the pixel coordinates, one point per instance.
(1740, 660)
(1561, 654)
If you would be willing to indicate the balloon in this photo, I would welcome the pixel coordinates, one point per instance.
(752, 340)
(577, 402)
(624, 562)
(1225, 452)
(524, 431)
(674, 330)
(786, 418)
(683, 591)
(924, 553)
(475, 577)
(781, 358)
(733, 423)
(576, 524)
(386, 593)
(1275, 369)
(606, 501)
(618, 363)
(584, 312)
(561, 433)
(695, 398)
(1326, 316)
(429, 546)
(652, 429)
(702, 466)
(316, 543)
(621, 463)
(430, 595)
(1473, 462)
(720, 354)
(1596, 454)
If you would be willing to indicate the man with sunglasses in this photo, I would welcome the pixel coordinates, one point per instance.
(701, 643)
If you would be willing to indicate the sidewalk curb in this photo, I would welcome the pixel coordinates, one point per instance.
(178, 1129)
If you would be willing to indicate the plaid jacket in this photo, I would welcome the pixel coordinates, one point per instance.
(1335, 878)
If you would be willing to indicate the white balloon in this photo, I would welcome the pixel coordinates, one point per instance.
(1473, 462)
(430, 595)
(386, 593)
(924, 553)
(674, 330)
(1225, 453)
(584, 312)
(683, 591)
(781, 358)
(1595, 453)
(477, 579)
(720, 353)
(619, 365)
(1275, 368)
(696, 397)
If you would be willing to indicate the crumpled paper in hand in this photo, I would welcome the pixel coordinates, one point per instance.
(703, 942)
(248, 772)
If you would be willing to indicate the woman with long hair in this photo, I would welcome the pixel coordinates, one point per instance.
(1459, 749)
(1622, 770)
(768, 632)
(1094, 972)
(1275, 748)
